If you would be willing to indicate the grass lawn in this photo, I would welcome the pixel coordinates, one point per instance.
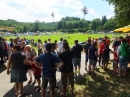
(103, 84)
(79, 36)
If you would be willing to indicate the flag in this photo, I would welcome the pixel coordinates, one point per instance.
(52, 14)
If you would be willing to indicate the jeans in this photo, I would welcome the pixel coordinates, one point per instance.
(123, 63)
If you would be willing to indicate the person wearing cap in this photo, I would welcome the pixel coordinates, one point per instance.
(49, 69)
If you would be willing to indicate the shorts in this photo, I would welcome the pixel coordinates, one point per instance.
(37, 77)
(51, 80)
(86, 60)
(105, 60)
(76, 61)
(18, 75)
(64, 77)
(92, 62)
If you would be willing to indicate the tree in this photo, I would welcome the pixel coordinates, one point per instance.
(104, 20)
(122, 11)
(36, 27)
(110, 24)
(52, 14)
(85, 11)
(96, 24)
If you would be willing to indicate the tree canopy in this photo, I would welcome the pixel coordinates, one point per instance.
(67, 24)
(122, 11)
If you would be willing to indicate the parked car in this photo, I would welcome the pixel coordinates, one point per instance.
(82, 43)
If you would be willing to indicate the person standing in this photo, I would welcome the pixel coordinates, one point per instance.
(60, 43)
(61, 49)
(123, 53)
(44, 46)
(86, 47)
(2, 48)
(49, 69)
(39, 46)
(101, 48)
(92, 55)
(18, 74)
(77, 49)
(67, 69)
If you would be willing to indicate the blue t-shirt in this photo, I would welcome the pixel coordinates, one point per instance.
(91, 54)
(48, 60)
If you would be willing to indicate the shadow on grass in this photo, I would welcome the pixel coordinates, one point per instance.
(103, 84)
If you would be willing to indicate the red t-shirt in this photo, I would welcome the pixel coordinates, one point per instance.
(115, 56)
(5, 45)
(101, 48)
(37, 71)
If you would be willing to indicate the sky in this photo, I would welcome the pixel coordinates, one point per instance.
(32, 10)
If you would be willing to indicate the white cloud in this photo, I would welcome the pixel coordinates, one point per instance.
(31, 10)
(112, 8)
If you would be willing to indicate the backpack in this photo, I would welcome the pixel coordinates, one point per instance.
(125, 50)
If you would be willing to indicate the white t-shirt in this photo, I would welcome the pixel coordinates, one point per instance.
(44, 46)
(61, 49)
(60, 43)
(55, 53)
(39, 46)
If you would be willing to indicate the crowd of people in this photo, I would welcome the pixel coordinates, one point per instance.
(23, 60)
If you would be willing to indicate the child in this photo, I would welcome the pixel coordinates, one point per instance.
(106, 56)
(115, 59)
(37, 73)
(29, 59)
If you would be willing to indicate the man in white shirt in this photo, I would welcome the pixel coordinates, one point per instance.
(60, 43)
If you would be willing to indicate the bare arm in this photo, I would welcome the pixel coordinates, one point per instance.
(9, 65)
(60, 64)
(38, 65)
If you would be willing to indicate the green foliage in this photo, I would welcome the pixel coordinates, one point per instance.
(122, 11)
(68, 24)
(110, 24)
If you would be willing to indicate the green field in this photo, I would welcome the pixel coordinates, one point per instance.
(79, 36)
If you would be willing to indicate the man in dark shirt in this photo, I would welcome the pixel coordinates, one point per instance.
(11, 43)
(92, 55)
(77, 49)
(49, 69)
(86, 47)
(117, 42)
(67, 69)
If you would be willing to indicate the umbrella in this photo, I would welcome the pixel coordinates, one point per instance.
(119, 29)
(127, 30)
